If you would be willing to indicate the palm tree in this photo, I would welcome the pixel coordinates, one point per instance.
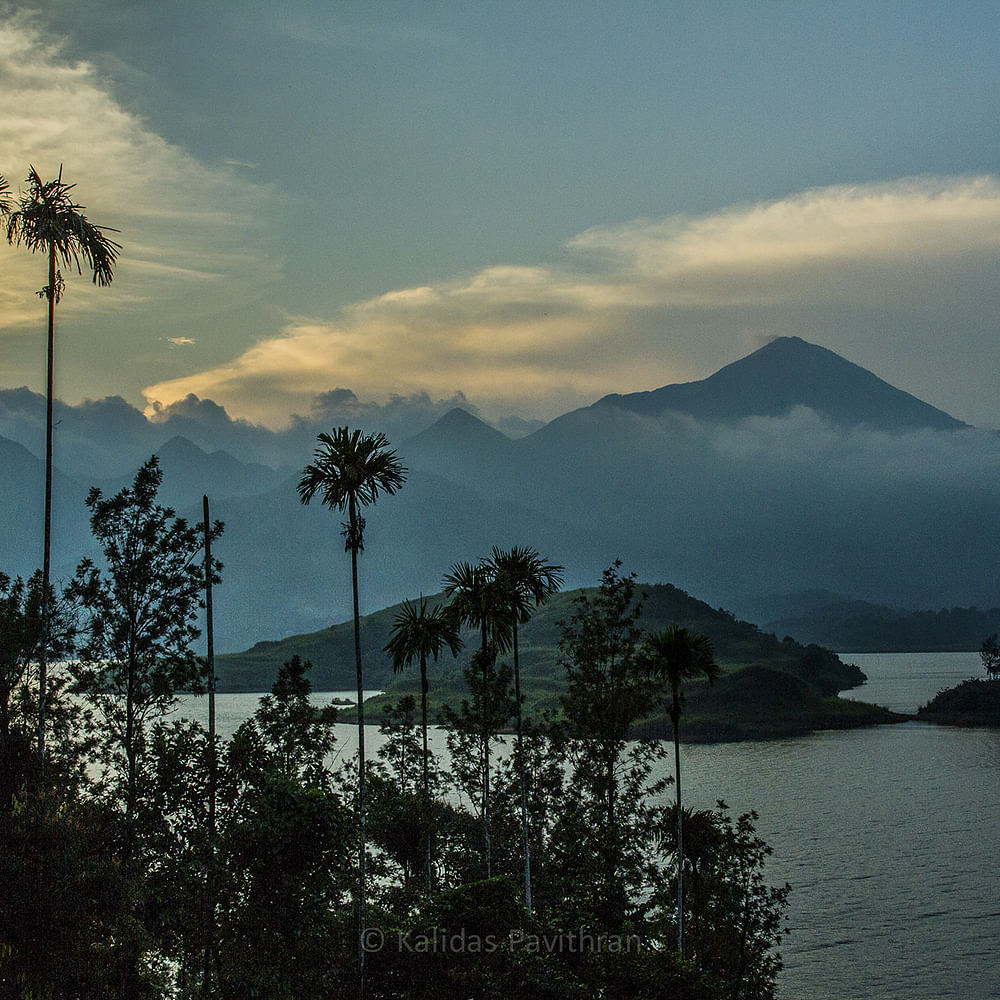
(416, 634)
(48, 219)
(477, 599)
(526, 581)
(676, 655)
(350, 471)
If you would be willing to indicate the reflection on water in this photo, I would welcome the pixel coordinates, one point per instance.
(889, 837)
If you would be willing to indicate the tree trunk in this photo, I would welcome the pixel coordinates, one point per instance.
(362, 848)
(212, 755)
(426, 783)
(521, 778)
(47, 531)
(675, 718)
(485, 763)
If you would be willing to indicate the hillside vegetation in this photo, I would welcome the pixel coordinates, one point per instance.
(768, 687)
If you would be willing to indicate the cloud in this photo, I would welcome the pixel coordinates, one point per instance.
(189, 235)
(647, 303)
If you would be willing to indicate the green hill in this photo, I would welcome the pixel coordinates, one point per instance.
(769, 686)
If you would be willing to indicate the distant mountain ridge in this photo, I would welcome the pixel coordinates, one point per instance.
(786, 373)
(816, 496)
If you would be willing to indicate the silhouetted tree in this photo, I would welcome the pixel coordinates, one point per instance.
(990, 655)
(141, 617)
(286, 847)
(46, 218)
(416, 634)
(607, 799)
(526, 581)
(677, 655)
(350, 470)
(477, 599)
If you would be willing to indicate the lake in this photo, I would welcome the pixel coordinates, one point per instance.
(889, 836)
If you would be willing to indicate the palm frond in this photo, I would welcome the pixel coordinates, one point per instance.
(48, 219)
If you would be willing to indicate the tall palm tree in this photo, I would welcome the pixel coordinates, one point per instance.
(46, 218)
(526, 581)
(416, 634)
(350, 471)
(676, 655)
(477, 599)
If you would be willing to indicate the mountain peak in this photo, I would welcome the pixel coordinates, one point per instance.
(458, 426)
(783, 374)
(457, 439)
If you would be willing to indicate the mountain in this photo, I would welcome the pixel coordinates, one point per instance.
(188, 469)
(461, 440)
(863, 627)
(22, 493)
(790, 470)
(786, 373)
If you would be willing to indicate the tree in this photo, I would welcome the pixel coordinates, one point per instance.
(285, 848)
(472, 731)
(734, 919)
(22, 633)
(48, 219)
(677, 655)
(607, 802)
(141, 614)
(990, 655)
(350, 471)
(526, 581)
(477, 599)
(416, 634)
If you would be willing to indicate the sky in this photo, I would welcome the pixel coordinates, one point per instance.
(531, 204)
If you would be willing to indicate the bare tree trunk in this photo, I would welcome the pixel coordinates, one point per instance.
(47, 531)
(675, 715)
(212, 761)
(362, 848)
(425, 776)
(521, 777)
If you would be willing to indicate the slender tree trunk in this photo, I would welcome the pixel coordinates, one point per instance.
(424, 774)
(4, 715)
(521, 777)
(487, 841)
(362, 848)
(47, 532)
(131, 753)
(212, 761)
(675, 718)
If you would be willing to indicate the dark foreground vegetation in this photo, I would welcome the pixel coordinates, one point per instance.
(140, 857)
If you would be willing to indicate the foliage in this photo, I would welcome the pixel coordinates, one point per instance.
(22, 632)
(989, 653)
(67, 924)
(48, 219)
(474, 731)
(285, 843)
(734, 921)
(975, 702)
(351, 469)
(140, 617)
